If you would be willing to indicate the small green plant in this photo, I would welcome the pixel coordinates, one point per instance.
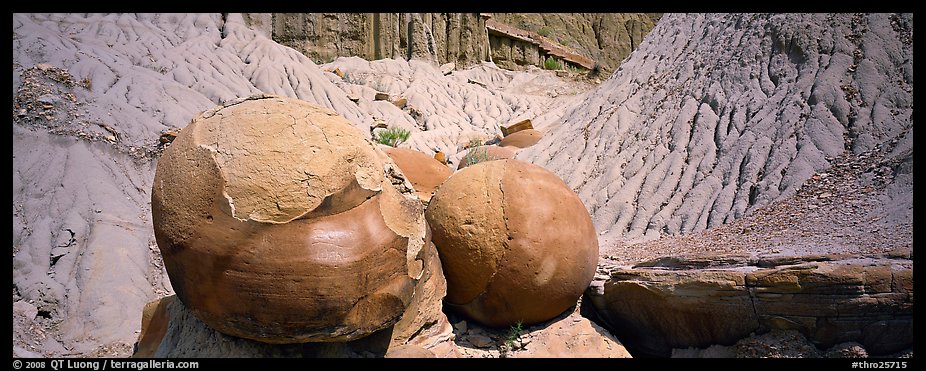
(472, 143)
(475, 156)
(514, 332)
(392, 136)
(576, 69)
(545, 31)
(552, 64)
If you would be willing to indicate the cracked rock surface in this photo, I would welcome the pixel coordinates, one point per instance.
(516, 244)
(266, 211)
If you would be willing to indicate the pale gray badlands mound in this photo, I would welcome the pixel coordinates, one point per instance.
(717, 115)
(760, 145)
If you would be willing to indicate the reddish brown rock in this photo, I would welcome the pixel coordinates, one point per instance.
(522, 139)
(154, 321)
(515, 242)
(170, 330)
(279, 222)
(425, 173)
(440, 157)
(485, 153)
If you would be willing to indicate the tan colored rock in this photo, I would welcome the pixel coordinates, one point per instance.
(409, 351)
(571, 337)
(522, 139)
(336, 71)
(378, 124)
(447, 68)
(424, 172)
(515, 242)
(154, 321)
(485, 153)
(270, 207)
(400, 102)
(516, 127)
(680, 303)
(440, 157)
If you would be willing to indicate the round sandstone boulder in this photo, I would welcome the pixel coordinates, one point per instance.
(522, 139)
(425, 172)
(279, 222)
(485, 153)
(515, 242)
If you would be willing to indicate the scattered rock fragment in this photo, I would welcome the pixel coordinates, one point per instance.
(516, 127)
(400, 102)
(447, 68)
(522, 138)
(440, 157)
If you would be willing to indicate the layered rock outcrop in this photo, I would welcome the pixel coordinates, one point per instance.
(279, 222)
(607, 38)
(516, 244)
(680, 303)
(458, 38)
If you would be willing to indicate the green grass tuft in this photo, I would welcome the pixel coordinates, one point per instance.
(545, 31)
(477, 155)
(552, 64)
(514, 332)
(393, 136)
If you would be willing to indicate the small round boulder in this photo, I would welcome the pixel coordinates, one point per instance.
(522, 139)
(515, 242)
(279, 222)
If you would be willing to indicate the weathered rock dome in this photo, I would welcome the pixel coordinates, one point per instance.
(515, 242)
(279, 222)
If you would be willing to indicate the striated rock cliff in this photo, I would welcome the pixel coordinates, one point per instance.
(607, 38)
(459, 38)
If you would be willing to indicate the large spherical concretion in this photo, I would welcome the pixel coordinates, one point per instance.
(425, 173)
(515, 242)
(279, 222)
